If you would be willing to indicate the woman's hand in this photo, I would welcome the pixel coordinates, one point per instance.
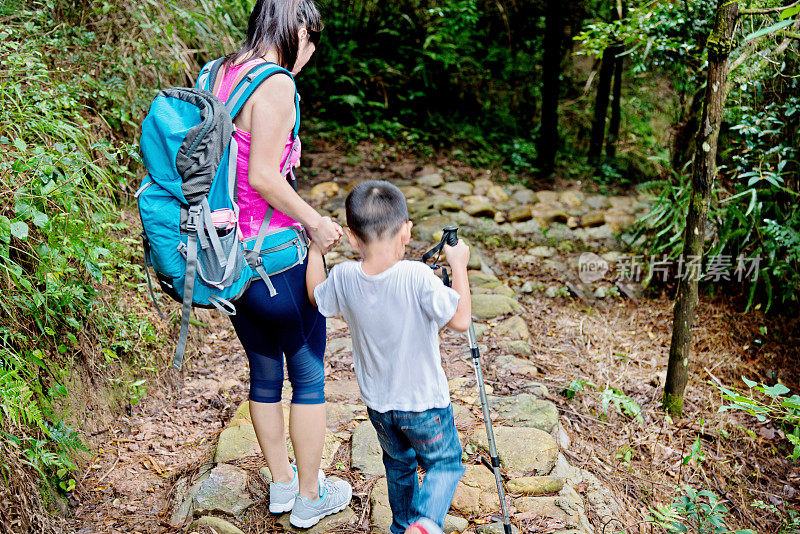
(325, 234)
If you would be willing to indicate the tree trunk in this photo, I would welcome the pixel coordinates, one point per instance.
(613, 123)
(601, 105)
(704, 173)
(549, 141)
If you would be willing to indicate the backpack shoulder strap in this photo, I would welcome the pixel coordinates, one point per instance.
(208, 74)
(251, 81)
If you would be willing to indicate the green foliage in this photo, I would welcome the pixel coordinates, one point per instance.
(576, 386)
(419, 72)
(621, 403)
(768, 403)
(69, 99)
(694, 511)
(790, 522)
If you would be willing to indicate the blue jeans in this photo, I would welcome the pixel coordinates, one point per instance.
(428, 439)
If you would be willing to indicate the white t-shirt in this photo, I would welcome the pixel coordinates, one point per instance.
(394, 319)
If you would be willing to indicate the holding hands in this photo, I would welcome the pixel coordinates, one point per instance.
(325, 234)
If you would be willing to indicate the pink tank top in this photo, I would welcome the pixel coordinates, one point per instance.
(252, 206)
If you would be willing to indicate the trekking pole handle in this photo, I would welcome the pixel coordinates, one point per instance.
(450, 235)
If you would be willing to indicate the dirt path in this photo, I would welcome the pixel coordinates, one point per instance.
(603, 339)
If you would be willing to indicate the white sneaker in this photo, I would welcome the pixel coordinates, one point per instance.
(282, 496)
(334, 496)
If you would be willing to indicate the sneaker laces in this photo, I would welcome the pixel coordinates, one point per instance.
(329, 485)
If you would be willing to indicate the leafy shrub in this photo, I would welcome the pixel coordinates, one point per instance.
(77, 80)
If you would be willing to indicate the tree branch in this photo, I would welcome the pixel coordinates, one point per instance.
(768, 10)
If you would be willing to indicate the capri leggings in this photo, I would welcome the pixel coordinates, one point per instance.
(287, 323)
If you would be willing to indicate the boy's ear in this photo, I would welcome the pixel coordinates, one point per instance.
(351, 237)
(405, 232)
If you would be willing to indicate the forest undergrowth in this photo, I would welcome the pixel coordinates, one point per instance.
(79, 341)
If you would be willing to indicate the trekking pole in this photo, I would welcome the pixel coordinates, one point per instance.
(450, 237)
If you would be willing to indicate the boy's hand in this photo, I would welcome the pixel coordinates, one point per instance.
(457, 256)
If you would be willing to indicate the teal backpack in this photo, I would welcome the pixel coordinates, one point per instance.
(187, 200)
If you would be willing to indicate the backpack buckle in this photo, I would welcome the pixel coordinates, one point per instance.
(193, 218)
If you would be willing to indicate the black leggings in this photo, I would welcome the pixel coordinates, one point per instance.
(287, 323)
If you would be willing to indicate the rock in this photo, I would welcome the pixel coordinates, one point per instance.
(546, 213)
(480, 329)
(380, 517)
(479, 207)
(536, 388)
(433, 179)
(241, 415)
(331, 522)
(597, 202)
(237, 442)
(542, 251)
(494, 528)
(571, 198)
(600, 292)
(526, 410)
(525, 196)
(424, 230)
(505, 291)
(488, 306)
(529, 287)
(512, 328)
(500, 217)
(339, 344)
(342, 391)
(623, 204)
(443, 203)
(458, 188)
(464, 388)
(598, 495)
(547, 196)
(412, 192)
(530, 230)
(535, 485)
(217, 524)
(497, 194)
(567, 507)
(339, 415)
(329, 448)
(520, 213)
(522, 449)
(324, 190)
(476, 493)
(475, 259)
(453, 523)
(478, 278)
(617, 219)
(552, 292)
(481, 186)
(366, 454)
(463, 416)
(515, 365)
(562, 437)
(593, 218)
(223, 490)
(600, 233)
(572, 222)
(560, 232)
(516, 347)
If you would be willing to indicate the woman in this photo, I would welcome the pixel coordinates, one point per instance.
(284, 32)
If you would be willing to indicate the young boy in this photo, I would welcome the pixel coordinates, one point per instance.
(394, 309)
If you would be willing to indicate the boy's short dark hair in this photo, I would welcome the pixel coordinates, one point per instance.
(375, 209)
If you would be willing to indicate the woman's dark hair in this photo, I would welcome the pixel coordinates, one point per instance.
(276, 23)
